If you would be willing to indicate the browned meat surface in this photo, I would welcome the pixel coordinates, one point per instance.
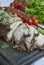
(4, 30)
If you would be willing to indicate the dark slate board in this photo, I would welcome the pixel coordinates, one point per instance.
(11, 56)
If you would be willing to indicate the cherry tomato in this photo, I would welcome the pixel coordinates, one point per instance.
(30, 22)
(16, 6)
(21, 7)
(11, 6)
(15, 13)
(35, 22)
(7, 9)
(33, 17)
(26, 20)
(23, 18)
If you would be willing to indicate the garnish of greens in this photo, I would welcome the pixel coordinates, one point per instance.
(41, 30)
(6, 15)
(36, 7)
(5, 45)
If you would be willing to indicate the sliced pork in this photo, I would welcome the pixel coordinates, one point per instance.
(39, 40)
(24, 36)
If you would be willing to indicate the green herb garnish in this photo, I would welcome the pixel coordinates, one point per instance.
(5, 45)
(41, 30)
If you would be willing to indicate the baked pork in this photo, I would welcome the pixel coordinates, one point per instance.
(21, 35)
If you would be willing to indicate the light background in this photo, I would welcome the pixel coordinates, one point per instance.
(5, 2)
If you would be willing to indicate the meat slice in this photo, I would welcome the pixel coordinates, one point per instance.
(14, 19)
(15, 25)
(4, 31)
(30, 38)
(19, 32)
(36, 31)
(39, 40)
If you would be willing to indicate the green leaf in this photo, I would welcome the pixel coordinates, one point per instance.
(5, 45)
(26, 10)
(41, 30)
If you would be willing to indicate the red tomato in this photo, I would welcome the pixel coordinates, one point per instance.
(21, 7)
(35, 22)
(23, 18)
(30, 22)
(11, 6)
(15, 13)
(26, 20)
(16, 6)
(7, 9)
(33, 17)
